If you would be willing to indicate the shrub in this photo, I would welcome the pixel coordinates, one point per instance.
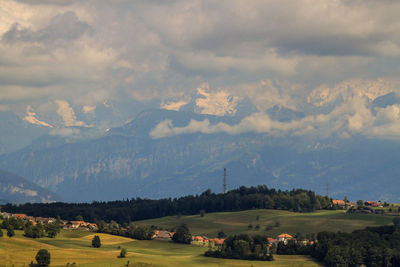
(123, 252)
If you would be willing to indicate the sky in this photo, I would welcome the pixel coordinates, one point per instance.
(65, 64)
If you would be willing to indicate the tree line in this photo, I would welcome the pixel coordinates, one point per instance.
(125, 211)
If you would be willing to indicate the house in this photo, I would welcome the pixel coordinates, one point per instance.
(162, 235)
(338, 202)
(20, 216)
(6, 215)
(272, 240)
(30, 218)
(92, 226)
(76, 224)
(217, 241)
(284, 238)
(373, 204)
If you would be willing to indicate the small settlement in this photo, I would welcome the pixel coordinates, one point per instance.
(69, 225)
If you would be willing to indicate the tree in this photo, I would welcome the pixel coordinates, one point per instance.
(79, 218)
(1, 233)
(396, 220)
(182, 235)
(10, 231)
(43, 257)
(123, 252)
(221, 234)
(96, 243)
(360, 203)
(52, 229)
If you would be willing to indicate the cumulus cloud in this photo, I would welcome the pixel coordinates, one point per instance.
(354, 117)
(31, 118)
(68, 115)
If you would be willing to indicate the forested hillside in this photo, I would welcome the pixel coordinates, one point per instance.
(244, 198)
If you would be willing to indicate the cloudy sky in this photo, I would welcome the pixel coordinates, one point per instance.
(62, 63)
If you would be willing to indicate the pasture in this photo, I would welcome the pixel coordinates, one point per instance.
(74, 246)
(289, 222)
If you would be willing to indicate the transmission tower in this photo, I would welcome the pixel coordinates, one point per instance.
(224, 184)
(328, 186)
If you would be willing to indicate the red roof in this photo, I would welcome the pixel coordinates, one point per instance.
(285, 236)
(338, 202)
(21, 216)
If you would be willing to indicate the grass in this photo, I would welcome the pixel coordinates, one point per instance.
(74, 246)
(290, 222)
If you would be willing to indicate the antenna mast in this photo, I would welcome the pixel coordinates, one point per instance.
(224, 180)
(328, 187)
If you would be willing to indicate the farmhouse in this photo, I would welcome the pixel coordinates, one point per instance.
(162, 235)
(338, 202)
(373, 204)
(20, 216)
(284, 238)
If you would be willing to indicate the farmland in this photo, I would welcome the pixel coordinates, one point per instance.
(74, 246)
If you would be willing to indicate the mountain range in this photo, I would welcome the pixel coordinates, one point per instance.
(127, 162)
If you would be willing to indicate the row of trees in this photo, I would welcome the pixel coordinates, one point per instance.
(243, 198)
(141, 232)
(243, 247)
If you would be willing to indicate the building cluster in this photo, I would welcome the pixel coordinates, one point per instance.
(70, 225)
(204, 241)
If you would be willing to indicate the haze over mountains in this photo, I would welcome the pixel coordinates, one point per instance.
(167, 153)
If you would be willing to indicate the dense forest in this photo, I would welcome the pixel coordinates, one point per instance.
(373, 246)
(125, 211)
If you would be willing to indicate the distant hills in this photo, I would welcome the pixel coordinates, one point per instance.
(127, 162)
(15, 189)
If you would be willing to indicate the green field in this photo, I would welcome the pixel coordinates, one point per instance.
(290, 222)
(74, 246)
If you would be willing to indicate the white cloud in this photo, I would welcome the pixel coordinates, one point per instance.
(351, 117)
(88, 109)
(67, 114)
(31, 118)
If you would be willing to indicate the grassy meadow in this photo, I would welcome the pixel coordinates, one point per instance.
(75, 246)
(289, 222)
